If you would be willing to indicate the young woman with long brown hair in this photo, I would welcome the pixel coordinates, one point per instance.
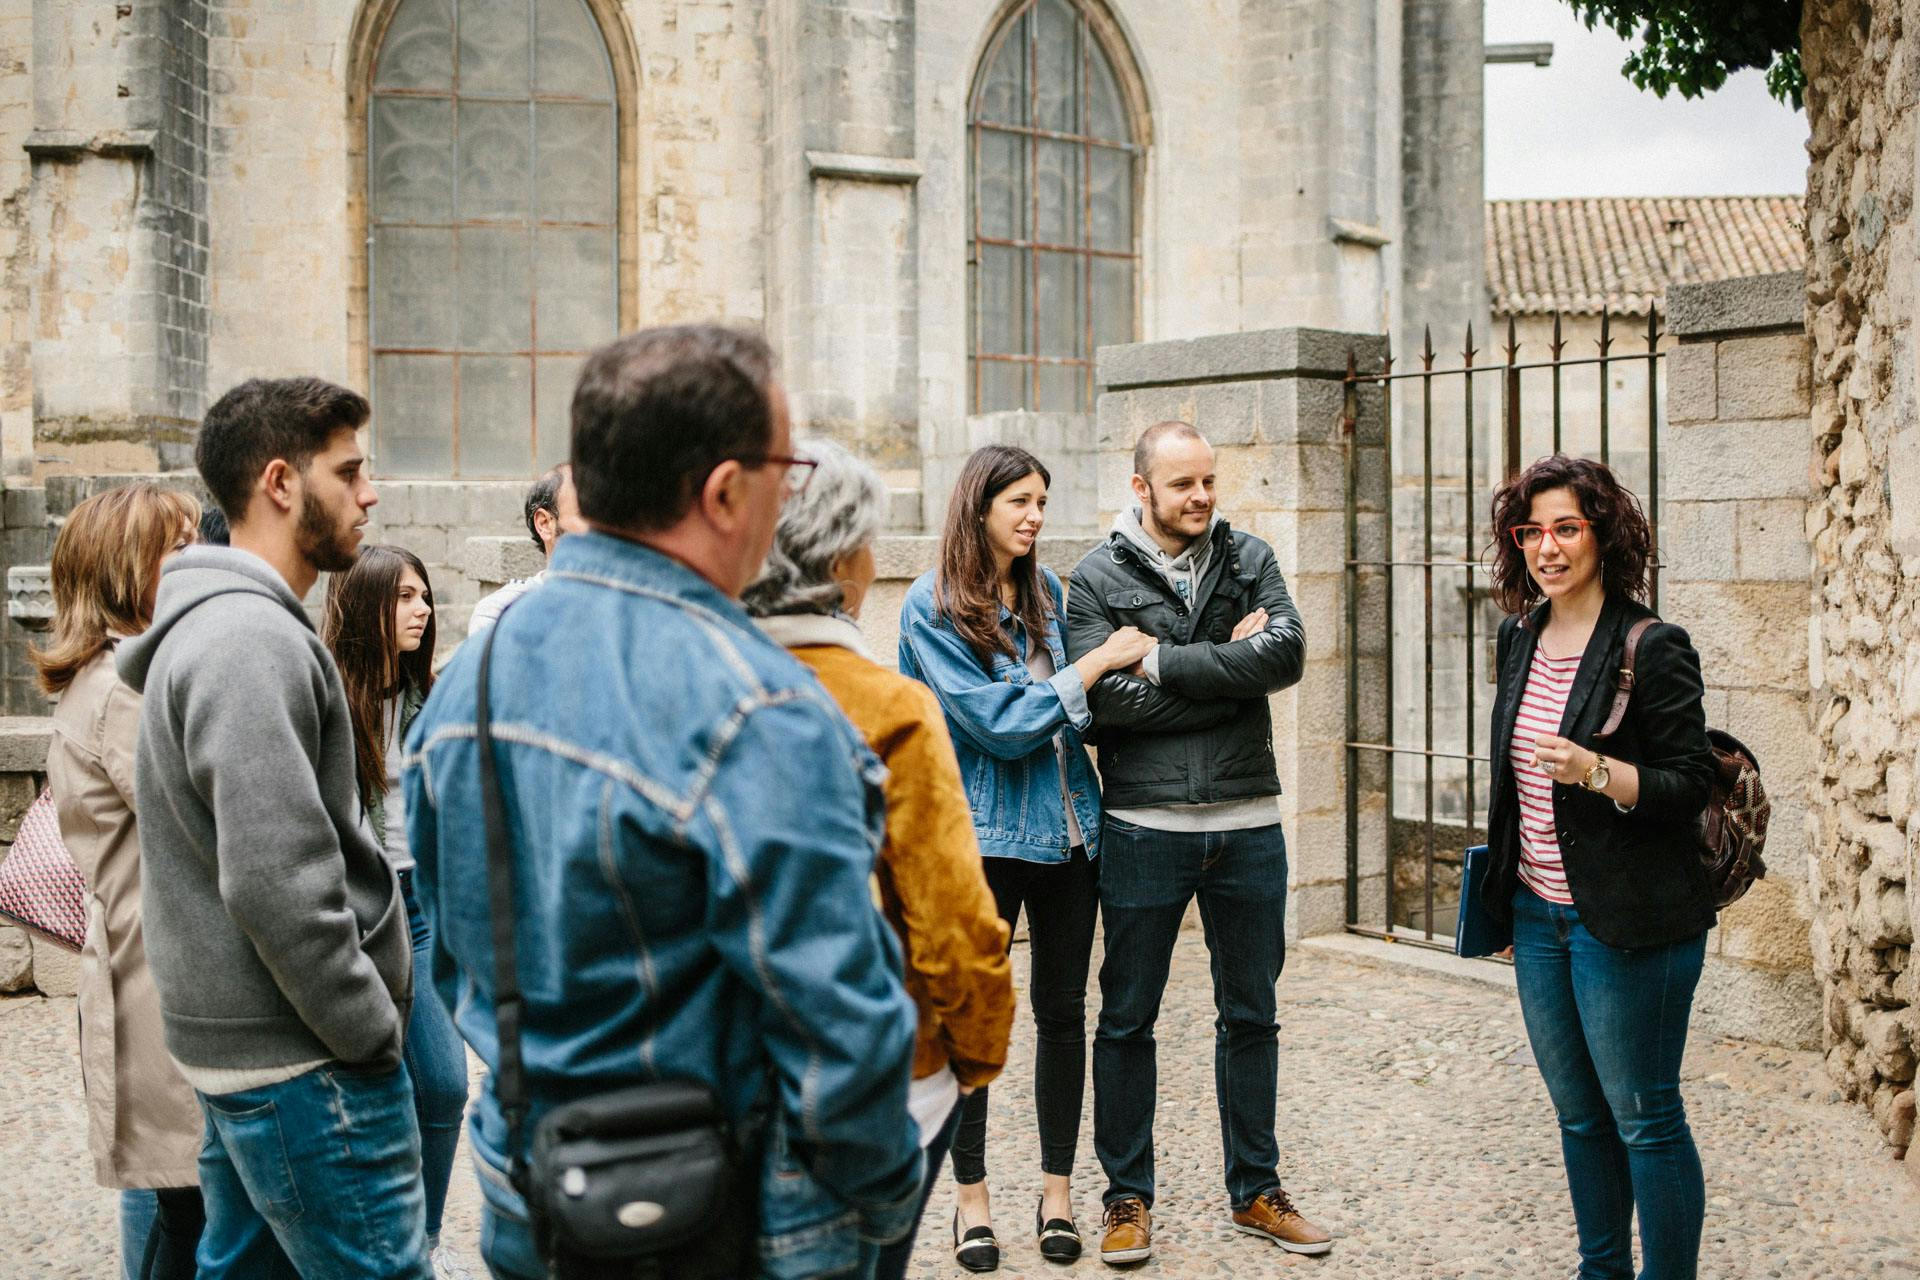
(380, 628)
(983, 630)
(144, 1124)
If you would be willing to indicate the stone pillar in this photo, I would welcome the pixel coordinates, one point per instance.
(1442, 166)
(843, 304)
(435, 519)
(1272, 404)
(16, 242)
(1734, 535)
(119, 231)
(1314, 219)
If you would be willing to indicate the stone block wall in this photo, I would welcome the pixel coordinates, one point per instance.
(171, 82)
(1733, 539)
(1068, 444)
(26, 538)
(1863, 83)
(435, 519)
(1272, 404)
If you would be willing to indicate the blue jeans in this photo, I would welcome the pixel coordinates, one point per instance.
(436, 1060)
(506, 1243)
(138, 1209)
(1147, 878)
(316, 1177)
(159, 1233)
(1608, 1028)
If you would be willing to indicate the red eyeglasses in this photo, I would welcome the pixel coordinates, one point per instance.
(1563, 532)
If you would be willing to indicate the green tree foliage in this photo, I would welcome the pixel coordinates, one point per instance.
(1692, 45)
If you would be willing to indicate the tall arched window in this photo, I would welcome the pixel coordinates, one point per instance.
(1051, 246)
(492, 213)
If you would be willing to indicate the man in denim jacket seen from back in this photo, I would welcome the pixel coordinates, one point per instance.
(693, 823)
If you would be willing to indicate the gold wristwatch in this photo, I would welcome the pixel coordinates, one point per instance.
(1597, 775)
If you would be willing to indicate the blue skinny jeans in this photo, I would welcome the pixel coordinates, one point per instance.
(436, 1060)
(1609, 1027)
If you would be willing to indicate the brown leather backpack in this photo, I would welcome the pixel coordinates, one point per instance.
(1733, 828)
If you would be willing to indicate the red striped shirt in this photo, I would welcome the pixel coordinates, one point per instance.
(1542, 705)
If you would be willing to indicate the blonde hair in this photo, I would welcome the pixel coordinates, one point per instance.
(105, 563)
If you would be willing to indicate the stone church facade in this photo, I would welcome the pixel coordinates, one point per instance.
(937, 213)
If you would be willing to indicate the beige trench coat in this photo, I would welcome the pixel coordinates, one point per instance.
(143, 1124)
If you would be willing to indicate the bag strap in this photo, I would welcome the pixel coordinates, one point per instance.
(510, 1081)
(1623, 688)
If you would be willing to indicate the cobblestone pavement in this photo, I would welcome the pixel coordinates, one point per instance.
(1413, 1126)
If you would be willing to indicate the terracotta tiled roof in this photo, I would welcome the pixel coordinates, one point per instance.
(1577, 256)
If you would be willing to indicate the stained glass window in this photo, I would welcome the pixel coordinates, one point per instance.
(492, 248)
(1051, 250)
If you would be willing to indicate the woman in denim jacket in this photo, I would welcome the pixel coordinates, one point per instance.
(983, 631)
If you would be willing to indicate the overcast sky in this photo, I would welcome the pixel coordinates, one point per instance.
(1580, 128)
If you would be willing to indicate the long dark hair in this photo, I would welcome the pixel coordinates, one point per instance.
(966, 591)
(1619, 528)
(358, 629)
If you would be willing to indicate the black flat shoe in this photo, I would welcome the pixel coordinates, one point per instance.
(1059, 1238)
(977, 1250)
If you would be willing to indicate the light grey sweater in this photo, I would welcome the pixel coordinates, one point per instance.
(274, 924)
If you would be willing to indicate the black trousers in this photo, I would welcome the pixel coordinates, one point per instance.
(1062, 901)
(171, 1245)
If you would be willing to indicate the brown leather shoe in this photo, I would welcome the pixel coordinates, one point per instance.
(1129, 1234)
(1273, 1217)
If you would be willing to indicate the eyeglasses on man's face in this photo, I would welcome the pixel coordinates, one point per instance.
(1564, 533)
(793, 481)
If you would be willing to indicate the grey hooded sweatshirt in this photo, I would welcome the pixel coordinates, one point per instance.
(274, 924)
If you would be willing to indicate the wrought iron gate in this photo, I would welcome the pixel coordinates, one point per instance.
(1435, 576)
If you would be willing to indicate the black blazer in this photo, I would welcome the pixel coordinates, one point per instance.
(1636, 878)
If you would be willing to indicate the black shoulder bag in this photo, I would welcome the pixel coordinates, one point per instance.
(644, 1181)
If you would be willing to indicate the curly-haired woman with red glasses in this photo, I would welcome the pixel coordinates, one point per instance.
(1596, 854)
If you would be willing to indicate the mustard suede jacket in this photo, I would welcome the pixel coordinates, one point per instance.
(932, 885)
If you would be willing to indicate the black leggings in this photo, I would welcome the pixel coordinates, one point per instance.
(177, 1223)
(1062, 899)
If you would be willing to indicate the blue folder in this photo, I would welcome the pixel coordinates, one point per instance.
(1478, 932)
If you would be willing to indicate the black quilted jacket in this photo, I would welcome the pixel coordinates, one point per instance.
(1204, 733)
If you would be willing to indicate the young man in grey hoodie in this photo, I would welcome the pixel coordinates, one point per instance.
(273, 923)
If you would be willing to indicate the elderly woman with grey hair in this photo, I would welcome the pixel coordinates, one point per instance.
(932, 887)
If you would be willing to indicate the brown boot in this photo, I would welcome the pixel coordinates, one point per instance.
(1273, 1217)
(1129, 1234)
